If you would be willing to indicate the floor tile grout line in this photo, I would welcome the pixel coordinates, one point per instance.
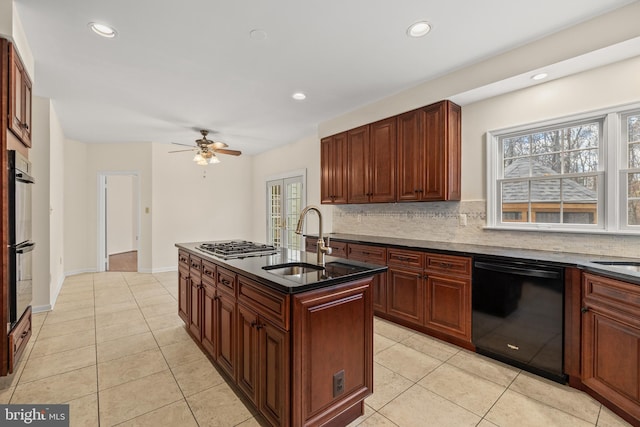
(499, 397)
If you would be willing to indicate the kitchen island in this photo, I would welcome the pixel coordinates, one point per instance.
(295, 338)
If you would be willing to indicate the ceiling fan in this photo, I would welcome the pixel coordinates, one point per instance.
(207, 150)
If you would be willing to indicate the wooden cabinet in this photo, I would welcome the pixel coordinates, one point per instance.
(184, 286)
(372, 162)
(373, 255)
(405, 295)
(333, 169)
(19, 98)
(209, 322)
(411, 157)
(195, 296)
(225, 332)
(611, 343)
(18, 338)
(429, 148)
(338, 249)
(263, 349)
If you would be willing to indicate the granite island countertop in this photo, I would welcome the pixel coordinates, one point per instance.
(566, 259)
(336, 271)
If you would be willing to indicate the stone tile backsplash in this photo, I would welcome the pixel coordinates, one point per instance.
(441, 222)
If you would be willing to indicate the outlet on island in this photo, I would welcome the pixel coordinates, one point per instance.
(338, 383)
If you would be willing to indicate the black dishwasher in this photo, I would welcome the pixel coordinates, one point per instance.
(518, 310)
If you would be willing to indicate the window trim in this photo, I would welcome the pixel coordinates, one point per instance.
(612, 155)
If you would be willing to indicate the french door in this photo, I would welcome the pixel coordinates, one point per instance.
(285, 200)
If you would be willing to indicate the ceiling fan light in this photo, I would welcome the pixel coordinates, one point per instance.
(214, 159)
(202, 162)
(198, 157)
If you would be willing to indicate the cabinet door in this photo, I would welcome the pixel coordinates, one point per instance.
(410, 156)
(209, 300)
(383, 148)
(333, 169)
(405, 295)
(434, 133)
(226, 333)
(611, 358)
(359, 169)
(379, 288)
(449, 306)
(184, 290)
(248, 352)
(195, 301)
(16, 97)
(273, 396)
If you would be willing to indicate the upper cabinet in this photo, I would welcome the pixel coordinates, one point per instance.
(333, 169)
(429, 142)
(372, 165)
(19, 98)
(411, 157)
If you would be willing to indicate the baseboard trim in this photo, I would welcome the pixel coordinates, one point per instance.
(164, 269)
(41, 308)
(76, 272)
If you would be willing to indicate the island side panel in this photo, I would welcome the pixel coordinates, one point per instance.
(333, 344)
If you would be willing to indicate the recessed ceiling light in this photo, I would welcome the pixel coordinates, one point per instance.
(102, 30)
(539, 76)
(258, 34)
(419, 29)
(299, 96)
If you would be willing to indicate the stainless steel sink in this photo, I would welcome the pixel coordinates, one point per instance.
(625, 265)
(292, 268)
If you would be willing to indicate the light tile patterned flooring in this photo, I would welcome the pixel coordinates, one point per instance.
(115, 349)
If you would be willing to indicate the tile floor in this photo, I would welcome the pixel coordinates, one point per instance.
(115, 349)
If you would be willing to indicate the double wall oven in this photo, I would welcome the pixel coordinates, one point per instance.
(21, 243)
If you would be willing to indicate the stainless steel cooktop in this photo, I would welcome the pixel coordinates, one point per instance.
(231, 249)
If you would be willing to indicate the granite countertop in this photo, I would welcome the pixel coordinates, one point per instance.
(337, 270)
(566, 259)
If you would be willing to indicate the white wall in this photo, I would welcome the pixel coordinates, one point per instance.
(196, 203)
(76, 209)
(6, 18)
(56, 203)
(121, 214)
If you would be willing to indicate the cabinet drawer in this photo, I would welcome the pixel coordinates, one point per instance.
(365, 253)
(338, 249)
(18, 338)
(621, 295)
(266, 302)
(209, 270)
(183, 258)
(403, 258)
(195, 265)
(226, 281)
(449, 264)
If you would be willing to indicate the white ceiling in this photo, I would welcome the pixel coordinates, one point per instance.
(177, 66)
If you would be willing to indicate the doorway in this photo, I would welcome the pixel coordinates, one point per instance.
(285, 199)
(118, 222)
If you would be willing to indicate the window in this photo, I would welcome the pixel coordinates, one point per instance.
(578, 174)
(285, 200)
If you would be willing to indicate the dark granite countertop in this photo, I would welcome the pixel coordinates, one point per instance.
(338, 270)
(566, 259)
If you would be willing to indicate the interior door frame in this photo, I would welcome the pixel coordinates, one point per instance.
(102, 258)
(284, 176)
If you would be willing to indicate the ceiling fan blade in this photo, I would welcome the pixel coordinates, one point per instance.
(180, 151)
(230, 152)
(218, 145)
(186, 145)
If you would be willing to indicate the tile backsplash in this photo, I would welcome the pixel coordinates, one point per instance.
(443, 222)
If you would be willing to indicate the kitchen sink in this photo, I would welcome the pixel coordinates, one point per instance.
(292, 268)
(625, 265)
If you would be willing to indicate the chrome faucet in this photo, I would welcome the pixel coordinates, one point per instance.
(321, 249)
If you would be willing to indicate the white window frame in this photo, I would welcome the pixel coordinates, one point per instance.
(611, 170)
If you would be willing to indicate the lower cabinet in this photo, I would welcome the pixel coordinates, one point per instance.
(250, 331)
(373, 255)
(405, 297)
(611, 343)
(184, 289)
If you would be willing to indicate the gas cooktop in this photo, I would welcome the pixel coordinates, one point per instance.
(231, 249)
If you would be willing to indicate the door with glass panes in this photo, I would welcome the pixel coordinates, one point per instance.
(285, 200)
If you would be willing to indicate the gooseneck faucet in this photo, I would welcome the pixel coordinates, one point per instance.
(321, 249)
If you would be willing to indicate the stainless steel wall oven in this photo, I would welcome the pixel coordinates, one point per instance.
(21, 243)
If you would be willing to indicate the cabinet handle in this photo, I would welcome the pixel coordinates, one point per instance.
(225, 282)
(446, 265)
(24, 126)
(24, 334)
(584, 309)
(208, 273)
(259, 326)
(402, 258)
(425, 277)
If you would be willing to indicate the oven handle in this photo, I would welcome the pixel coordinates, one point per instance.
(531, 272)
(23, 177)
(24, 248)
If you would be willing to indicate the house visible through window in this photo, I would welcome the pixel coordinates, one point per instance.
(555, 176)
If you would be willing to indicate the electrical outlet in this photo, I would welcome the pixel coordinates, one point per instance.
(462, 220)
(338, 383)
